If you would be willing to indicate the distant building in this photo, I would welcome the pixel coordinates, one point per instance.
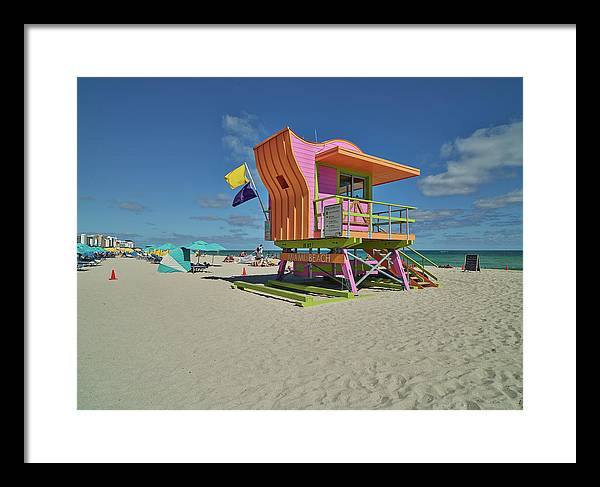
(97, 240)
(126, 243)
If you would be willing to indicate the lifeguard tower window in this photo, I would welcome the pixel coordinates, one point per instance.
(282, 182)
(353, 186)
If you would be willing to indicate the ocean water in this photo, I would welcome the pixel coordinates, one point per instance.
(489, 259)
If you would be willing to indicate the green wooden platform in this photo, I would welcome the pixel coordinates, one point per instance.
(343, 243)
(310, 295)
(311, 289)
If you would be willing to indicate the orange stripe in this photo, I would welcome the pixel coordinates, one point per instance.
(290, 217)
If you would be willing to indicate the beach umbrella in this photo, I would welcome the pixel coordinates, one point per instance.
(214, 247)
(178, 260)
(197, 246)
(163, 249)
(84, 249)
(166, 246)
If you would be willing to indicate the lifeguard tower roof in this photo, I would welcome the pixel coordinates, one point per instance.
(381, 170)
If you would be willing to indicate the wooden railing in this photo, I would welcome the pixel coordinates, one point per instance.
(420, 266)
(368, 215)
(423, 257)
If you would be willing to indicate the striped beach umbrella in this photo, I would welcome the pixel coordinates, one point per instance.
(177, 260)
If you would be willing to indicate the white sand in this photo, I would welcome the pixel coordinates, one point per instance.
(182, 341)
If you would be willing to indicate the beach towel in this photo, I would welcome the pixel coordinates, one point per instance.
(247, 259)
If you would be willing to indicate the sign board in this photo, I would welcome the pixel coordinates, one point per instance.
(313, 257)
(268, 231)
(332, 220)
(472, 262)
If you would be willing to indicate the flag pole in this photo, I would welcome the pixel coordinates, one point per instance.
(256, 190)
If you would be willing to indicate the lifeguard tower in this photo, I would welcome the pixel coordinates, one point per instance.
(322, 210)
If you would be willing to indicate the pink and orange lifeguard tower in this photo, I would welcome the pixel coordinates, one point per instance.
(322, 210)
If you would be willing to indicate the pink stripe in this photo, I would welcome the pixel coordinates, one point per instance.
(305, 156)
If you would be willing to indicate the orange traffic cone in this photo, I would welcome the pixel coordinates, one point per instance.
(113, 277)
(244, 273)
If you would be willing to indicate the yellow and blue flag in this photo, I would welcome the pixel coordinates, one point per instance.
(237, 177)
(246, 193)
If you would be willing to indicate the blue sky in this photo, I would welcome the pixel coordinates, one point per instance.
(152, 152)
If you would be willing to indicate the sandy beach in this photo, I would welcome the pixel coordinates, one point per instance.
(189, 341)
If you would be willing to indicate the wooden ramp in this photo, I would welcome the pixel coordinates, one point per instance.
(300, 294)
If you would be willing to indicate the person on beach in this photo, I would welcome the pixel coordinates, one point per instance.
(259, 254)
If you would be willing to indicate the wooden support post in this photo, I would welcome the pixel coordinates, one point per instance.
(347, 271)
(399, 269)
(281, 269)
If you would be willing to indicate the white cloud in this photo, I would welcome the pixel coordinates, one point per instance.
(233, 220)
(478, 159)
(434, 215)
(501, 201)
(221, 200)
(244, 221)
(131, 206)
(241, 135)
(207, 218)
(447, 150)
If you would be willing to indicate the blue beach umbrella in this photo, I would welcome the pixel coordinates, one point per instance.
(197, 246)
(84, 249)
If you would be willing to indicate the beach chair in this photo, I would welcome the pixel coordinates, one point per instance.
(199, 267)
(82, 263)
